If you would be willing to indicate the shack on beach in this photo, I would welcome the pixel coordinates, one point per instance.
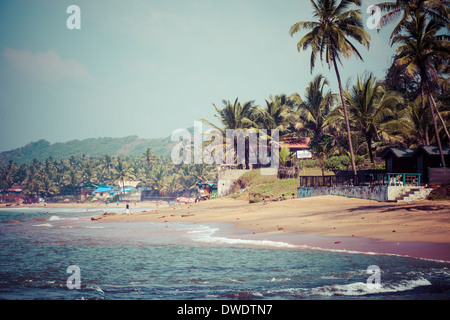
(207, 190)
(425, 160)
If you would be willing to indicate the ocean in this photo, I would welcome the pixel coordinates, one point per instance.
(60, 254)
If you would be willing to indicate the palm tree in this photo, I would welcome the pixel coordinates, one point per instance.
(186, 178)
(413, 115)
(405, 9)
(157, 176)
(314, 110)
(107, 165)
(123, 172)
(149, 157)
(312, 116)
(234, 116)
(422, 53)
(371, 108)
(277, 114)
(329, 37)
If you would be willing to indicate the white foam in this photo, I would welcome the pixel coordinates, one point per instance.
(361, 288)
(53, 218)
(279, 280)
(43, 225)
(205, 234)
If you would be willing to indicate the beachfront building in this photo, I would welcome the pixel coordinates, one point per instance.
(399, 160)
(298, 146)
(104, 192)
(429, 164)
(424, 161)
(410, 175)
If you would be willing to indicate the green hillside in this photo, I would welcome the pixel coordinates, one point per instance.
(127, 146)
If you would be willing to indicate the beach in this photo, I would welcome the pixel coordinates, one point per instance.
(419, 228)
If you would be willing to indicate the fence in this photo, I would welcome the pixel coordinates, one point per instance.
(366, 179)
(404, 179)
(439, 176)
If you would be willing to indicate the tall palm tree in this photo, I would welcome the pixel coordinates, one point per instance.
(330, 37)
(371, 109)
(422, 52)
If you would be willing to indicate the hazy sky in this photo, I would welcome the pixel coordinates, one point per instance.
(146, 68)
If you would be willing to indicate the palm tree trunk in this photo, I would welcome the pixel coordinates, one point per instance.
(424, 117)
(436, 129)
(433, 103)
(352, 156)
(369, 146)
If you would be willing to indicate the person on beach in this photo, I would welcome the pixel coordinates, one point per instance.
(127, 208)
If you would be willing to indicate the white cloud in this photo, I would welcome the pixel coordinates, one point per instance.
(46, 66)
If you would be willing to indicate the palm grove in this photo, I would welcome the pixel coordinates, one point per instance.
(407, 108)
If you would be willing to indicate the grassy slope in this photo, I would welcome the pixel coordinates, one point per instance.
(256, 187)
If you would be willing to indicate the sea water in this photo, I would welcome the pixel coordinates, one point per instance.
(176, 260)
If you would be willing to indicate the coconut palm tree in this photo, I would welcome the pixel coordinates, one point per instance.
(422, 53)
(277, 114)
(314, 109)
(106, 167)
(312, 114)
(123, 172)
(403, 10)
(150, 156)
(329, 38)
(371, 110)
(234, 116)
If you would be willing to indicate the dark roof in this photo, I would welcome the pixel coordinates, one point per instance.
(434, 150)
(399, 152)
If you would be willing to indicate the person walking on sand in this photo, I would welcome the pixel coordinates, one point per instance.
(127, 208)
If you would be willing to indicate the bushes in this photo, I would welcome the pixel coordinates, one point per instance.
(337, 163)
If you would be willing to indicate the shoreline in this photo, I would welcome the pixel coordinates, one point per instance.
(418, 229)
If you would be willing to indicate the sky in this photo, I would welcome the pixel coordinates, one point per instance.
(149, 67)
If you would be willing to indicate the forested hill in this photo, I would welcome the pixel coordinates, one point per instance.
(128, 146)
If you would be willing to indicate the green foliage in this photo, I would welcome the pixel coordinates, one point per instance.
(337, 163)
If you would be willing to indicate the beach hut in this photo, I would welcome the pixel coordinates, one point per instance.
(104, 191)
(428, 159)
(400, 160)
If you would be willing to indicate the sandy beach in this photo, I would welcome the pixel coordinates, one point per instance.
(420, 228)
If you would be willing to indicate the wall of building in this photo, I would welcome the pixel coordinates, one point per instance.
(378, 193)
(226, 180)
